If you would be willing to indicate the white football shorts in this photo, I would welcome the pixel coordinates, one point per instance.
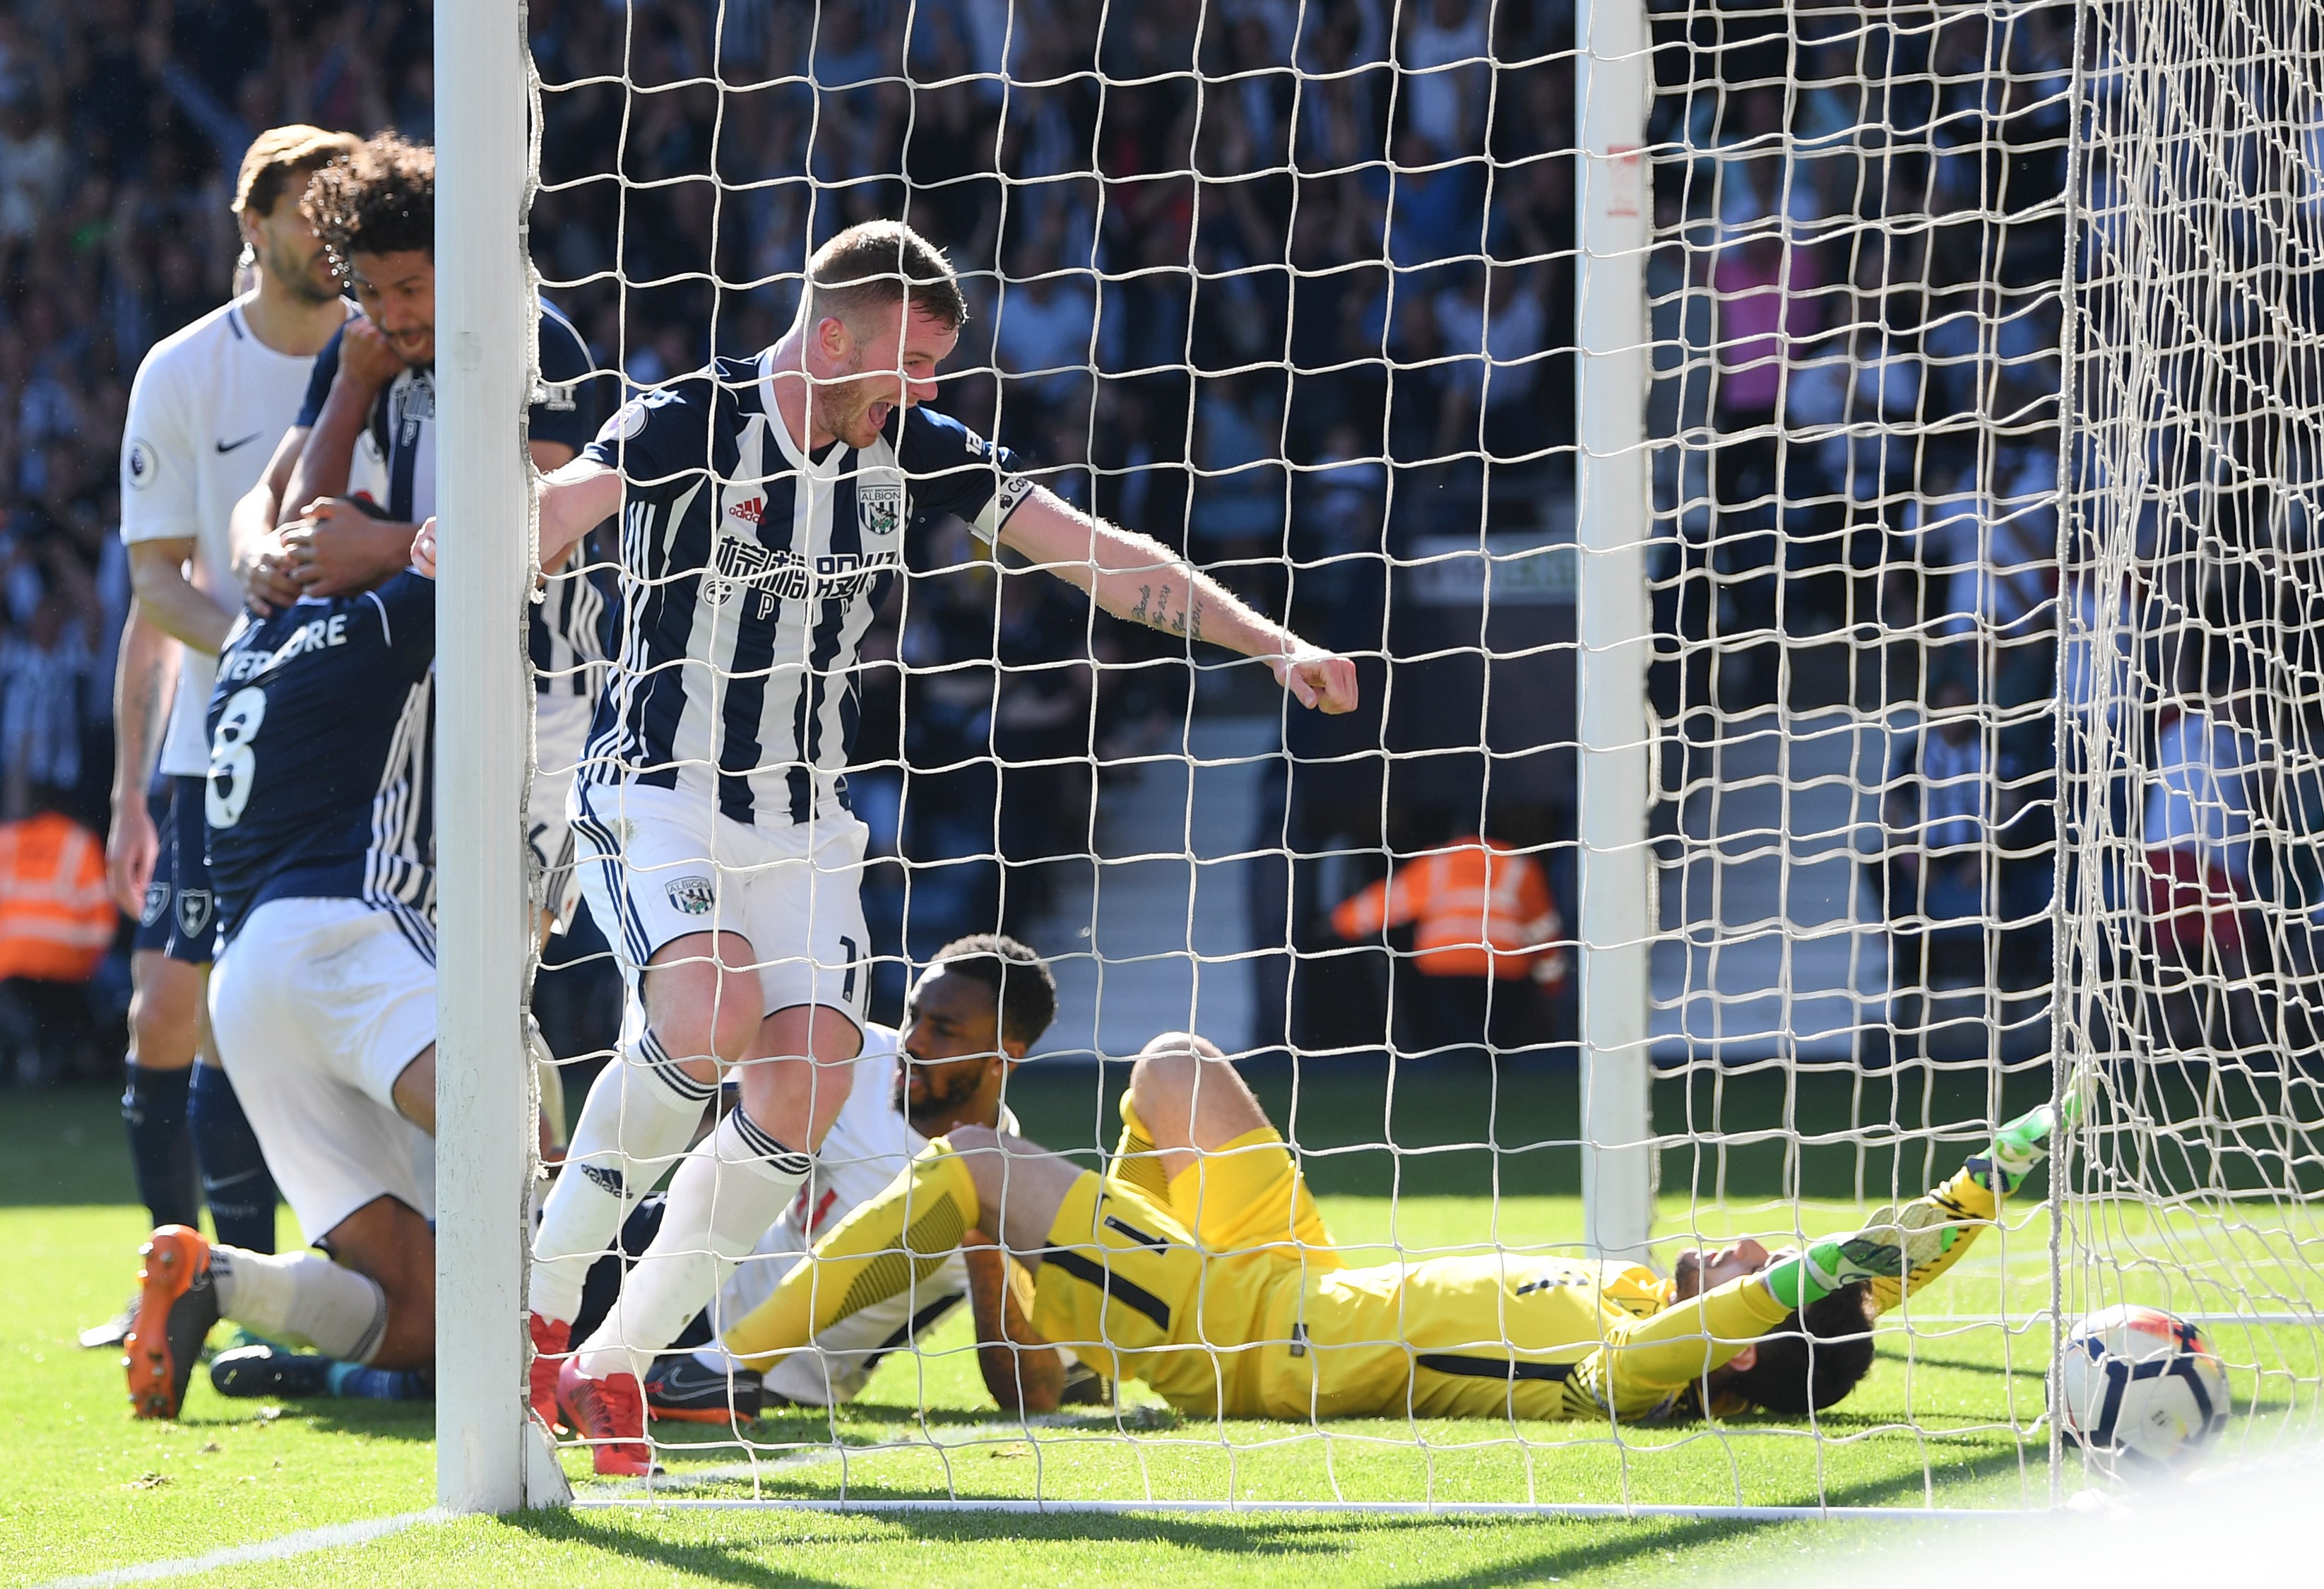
(560, 729)
(658, 865)
(318, 1006)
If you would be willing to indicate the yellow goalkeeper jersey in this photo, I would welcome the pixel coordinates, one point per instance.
(1223, 1291)
(1233, 1301)
(1499, 1336)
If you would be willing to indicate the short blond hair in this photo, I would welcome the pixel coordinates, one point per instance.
(280, 153)
(875, 263)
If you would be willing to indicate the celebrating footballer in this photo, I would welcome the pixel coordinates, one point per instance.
(763, 505)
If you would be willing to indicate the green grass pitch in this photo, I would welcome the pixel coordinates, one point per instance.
(1950, 1415)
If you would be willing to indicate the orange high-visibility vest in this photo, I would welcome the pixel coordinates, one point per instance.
(56, 919)
(1481, 909)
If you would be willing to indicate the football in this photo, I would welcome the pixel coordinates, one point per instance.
(2139, 1390)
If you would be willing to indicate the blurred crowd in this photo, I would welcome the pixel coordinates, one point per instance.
(1858, 298)
(1288, 286)
(1223, 261)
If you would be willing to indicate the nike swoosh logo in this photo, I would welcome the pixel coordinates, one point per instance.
(245, 441)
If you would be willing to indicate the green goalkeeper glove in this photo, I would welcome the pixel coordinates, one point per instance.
(2024, 1142)
(1892, 1243)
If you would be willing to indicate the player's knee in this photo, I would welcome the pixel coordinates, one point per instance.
(699, 1035)
(978, 1140)
(705, 1004)
(165, 1017)
(1168, 1072)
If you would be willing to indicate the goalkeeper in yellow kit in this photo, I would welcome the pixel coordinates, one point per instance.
(1200, 1264)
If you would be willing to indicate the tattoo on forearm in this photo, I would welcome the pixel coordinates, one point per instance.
(1145, 594)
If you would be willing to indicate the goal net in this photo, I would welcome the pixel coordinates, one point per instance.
(2188, 729)
(1836, 525)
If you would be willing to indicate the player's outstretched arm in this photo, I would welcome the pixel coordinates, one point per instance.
(575, 499)
(1968, 1204)
(1136, 576)
(1023, 1372)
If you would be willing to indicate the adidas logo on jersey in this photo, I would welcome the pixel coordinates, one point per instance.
(750, 511)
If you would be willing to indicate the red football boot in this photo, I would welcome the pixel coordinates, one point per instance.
(611, 1414)
(551, 1338)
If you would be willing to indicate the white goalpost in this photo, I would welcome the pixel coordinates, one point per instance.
(486, 1459)
(1613, 870)
(1833, 490)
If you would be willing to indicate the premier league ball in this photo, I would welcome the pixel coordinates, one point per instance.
(2139, 1390)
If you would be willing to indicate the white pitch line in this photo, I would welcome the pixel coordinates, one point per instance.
(288, 1545)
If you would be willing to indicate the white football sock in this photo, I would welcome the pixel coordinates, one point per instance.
(640, 1114)
(720, 1204)
(301, 1298)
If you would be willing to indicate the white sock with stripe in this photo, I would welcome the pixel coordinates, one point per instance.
(640, 1113)
(720, 1204)
(301, 1298)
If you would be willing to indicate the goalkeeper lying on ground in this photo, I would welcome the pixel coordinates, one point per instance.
(1199, 1264)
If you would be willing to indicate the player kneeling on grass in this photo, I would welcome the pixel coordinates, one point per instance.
(981, 1004)
(1200, 1264)
(323, 1001)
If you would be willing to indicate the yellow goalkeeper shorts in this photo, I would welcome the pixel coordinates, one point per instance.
(1250, 1195)
(1177, 1297)
(1125, 1285)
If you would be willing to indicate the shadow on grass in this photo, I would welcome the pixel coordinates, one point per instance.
(1597, 1546)
(721, 1560)
(380, 1420)
(1968, 1365)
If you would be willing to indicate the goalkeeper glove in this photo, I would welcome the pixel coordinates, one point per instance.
(1892, 1244)
(2024, 1142)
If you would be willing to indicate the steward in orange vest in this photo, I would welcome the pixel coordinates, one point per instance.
(56, 918)
(1479, 910)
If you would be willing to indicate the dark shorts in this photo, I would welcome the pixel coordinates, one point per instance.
(181, 915)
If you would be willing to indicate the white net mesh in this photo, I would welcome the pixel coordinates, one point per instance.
(1291, 288)
(2190, 720)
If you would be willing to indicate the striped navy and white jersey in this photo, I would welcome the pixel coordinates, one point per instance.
(750, 572)
(394, 466)
(319, 785)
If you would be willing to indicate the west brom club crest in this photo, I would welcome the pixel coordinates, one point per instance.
(692, 895)
(879, 509)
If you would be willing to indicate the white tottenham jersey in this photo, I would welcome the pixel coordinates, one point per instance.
(869, 1144)
(750, 572)
(208, 404)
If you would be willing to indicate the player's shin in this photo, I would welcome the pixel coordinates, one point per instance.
(153, 1109)
(720, 1204)
(640, 1114)
(880, 1248)
(302, 1297)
